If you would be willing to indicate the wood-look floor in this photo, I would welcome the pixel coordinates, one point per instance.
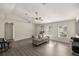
(25, 48)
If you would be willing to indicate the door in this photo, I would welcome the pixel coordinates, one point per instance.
(8, 31)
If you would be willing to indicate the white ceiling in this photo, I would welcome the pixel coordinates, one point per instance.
(50, 12)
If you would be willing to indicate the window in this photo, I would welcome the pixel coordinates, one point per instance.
(62, 31)
(48, 29)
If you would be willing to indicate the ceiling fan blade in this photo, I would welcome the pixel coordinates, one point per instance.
(32, 17)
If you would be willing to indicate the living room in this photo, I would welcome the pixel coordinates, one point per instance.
(38, 29)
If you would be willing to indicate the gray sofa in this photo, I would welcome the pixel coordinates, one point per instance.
(38, 41)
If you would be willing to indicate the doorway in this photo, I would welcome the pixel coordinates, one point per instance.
(8, 31)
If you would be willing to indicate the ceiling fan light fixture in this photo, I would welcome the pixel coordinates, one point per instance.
(40, 17)
(36, 18)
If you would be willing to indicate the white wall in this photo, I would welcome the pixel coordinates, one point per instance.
(1, 29)
(77, 27)
(71, 30)
(37, 29)
(21, 28)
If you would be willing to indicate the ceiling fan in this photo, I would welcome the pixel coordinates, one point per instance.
(37, 18)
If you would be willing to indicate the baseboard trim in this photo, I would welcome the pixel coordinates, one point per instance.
(23, 39)
(61, 41)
